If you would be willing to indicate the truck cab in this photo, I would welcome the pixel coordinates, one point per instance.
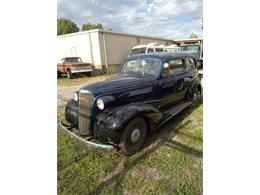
(195, 50)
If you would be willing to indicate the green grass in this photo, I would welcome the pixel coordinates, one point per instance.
(169, 163)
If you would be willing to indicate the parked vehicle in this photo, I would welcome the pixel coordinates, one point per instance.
(73, 65)
(120, 111)
(144, 49)
(196, 50)
(171, 48)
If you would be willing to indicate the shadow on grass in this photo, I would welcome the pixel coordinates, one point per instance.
(163, 137)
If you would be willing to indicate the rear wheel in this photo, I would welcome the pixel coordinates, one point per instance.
(88, 74)
(195, 97)
(133, 137)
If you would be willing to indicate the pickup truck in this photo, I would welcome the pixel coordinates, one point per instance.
(73, 65)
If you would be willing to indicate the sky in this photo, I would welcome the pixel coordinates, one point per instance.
(164, 18)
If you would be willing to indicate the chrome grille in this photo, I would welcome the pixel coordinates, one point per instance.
(82, 68)
(85, 102)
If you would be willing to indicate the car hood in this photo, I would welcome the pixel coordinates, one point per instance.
(120, 82)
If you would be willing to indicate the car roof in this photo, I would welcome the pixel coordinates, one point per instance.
(147, 46)
(71, 57)
(164, 56)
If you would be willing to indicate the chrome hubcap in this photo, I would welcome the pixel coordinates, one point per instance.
(135, 135)
(194, 97)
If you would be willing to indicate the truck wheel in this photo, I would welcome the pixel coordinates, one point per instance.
(88, 74)
(58, 74)
(133, 137)
(69, 74)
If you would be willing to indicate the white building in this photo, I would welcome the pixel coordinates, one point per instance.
(104, 49)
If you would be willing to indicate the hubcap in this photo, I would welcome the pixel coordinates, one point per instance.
(194, 97)
(135, 135)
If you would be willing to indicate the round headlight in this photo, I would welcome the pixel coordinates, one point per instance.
(100, 104)
(75, 96)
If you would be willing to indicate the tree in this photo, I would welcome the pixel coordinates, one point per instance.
(193, 35)
(65, 26)
(89, 26)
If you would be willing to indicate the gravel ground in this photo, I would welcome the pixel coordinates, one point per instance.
(65, 93)
(66, 87)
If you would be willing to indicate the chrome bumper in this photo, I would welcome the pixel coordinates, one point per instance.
(83, 141)
(80, 71)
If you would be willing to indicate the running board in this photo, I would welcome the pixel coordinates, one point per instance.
(173, 111)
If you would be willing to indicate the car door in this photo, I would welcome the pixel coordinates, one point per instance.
(172, 81)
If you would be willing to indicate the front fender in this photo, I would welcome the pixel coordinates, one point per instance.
(111, 122)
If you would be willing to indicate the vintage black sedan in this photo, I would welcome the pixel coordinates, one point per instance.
(120, 111)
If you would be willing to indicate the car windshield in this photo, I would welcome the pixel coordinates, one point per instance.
(144, 66)
(72, 60)
(138, 51)
(189, 48)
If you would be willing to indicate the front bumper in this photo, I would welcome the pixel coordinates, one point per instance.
(80, 71)
(85, 142)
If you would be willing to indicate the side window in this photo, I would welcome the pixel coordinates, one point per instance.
(190, 64)
(150, 50)
(158, 49)
(175, 66)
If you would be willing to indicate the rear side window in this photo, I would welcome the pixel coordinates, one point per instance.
(190, 64)
(176, 66)
(150, 50)
(158, 49)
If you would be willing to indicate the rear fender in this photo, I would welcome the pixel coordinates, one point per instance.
(192, 88)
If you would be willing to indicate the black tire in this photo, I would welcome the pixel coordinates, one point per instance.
(69, 74)
(194, 98)
(133, 137)
(88, 74)
(58, 74)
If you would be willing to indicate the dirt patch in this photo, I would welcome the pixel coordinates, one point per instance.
(66, 87)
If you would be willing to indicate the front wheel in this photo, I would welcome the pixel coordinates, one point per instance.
(133, 137)
(58, 74)
(69, 74)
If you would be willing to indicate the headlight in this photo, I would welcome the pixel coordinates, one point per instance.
(75, 96)
(100, 104)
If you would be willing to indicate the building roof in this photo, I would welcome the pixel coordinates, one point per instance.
(190, 39)
(112, 32)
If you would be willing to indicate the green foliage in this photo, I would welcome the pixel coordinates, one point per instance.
(66, 26)
(193, 35)
(89, 26)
